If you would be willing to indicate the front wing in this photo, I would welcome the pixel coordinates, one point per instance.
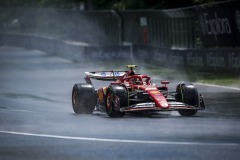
(150, 106)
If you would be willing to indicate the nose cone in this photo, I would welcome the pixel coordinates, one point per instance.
(159, 99)
(164, 104)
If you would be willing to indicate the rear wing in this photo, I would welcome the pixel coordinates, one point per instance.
(104, 75)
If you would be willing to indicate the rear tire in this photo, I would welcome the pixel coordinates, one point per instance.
(117, 96)
(83, 98)
(187, 93)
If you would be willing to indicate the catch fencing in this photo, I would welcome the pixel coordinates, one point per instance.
(216, 25)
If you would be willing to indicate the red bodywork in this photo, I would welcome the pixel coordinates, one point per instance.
(157, 97)
(136, 82)
(143, 83)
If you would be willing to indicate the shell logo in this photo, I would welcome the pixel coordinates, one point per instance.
(154, 92)
(101, 93)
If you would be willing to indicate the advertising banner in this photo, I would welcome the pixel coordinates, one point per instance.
(218, 24)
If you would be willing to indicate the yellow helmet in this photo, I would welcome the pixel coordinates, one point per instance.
(131, 66)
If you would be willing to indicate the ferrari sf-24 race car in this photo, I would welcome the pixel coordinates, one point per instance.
(132, 92)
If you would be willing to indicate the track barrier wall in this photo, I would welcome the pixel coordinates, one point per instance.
(216, 60)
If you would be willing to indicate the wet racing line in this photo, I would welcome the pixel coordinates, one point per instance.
(37, 120)
(127, 140)
(123, 140)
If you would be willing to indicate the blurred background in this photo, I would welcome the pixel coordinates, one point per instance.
(161, 23)
(203, 35)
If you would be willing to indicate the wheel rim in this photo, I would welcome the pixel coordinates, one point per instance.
(74, 99)
(109, 102)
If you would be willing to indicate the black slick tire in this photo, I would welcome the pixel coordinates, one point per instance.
(188, 94)
(83, 98)
(117, 97)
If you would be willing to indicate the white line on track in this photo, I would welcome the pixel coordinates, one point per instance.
(117, 140)
(218, 86)
(20, 110)
(15, 110)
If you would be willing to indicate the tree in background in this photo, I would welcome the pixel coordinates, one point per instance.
(39, 3)
(105, 4)
(157, 4)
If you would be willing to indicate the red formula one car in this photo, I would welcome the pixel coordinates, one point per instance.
(132, 92)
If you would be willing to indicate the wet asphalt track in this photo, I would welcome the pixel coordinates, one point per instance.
(37, 121)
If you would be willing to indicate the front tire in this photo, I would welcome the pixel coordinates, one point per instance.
(117, 96)
(83, 98)
(188, 94)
